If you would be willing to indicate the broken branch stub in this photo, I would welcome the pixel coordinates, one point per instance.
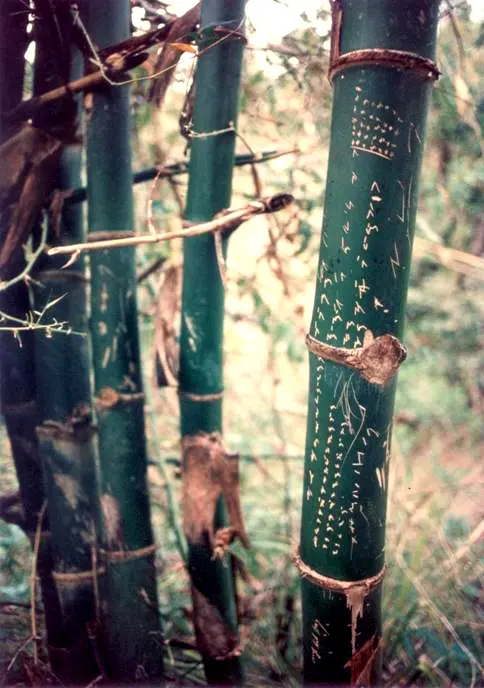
(376, 361)
(209, 472)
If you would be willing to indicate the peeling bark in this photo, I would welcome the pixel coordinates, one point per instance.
(167, 348)
(209, 472)
(215, 639)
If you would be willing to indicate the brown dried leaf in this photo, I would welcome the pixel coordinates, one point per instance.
(214, 638)
(169, 55)
(29, 159)
(364, 663)
(209, 472)
(168, 307)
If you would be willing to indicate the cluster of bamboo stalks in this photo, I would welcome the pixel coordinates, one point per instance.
(80, 452)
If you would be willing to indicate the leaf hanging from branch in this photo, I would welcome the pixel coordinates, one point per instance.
(171, 53)
(29, 159)
(168, 307)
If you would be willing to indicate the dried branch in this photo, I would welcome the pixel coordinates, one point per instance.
(228, 220)
(451, 258)
(115, 61)
(115, 66)
(166, 171)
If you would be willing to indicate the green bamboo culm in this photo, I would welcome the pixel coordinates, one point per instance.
(66, 436)
(382, 72)
(201, 340)
(131, 622)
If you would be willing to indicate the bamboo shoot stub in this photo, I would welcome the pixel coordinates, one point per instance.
(382, 71)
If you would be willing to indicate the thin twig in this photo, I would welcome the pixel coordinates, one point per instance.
(451, 258)
(30, 264)
(147, 272)
(18, 651)
(33, 579)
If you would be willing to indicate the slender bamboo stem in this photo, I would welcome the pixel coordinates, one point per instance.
(201, 342)
(382, 70)
(131, 622)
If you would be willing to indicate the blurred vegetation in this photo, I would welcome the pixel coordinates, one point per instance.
(434, 595)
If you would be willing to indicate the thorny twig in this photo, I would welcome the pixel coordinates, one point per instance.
(17, 325)
(25, 274)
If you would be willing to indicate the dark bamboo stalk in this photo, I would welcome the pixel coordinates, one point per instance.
(17, 365)
(130, 621)
(67, 443)
(201, 348)
(382, 71)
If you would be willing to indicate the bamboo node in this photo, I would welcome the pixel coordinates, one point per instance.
(335, 585)
(226, 32)
(384, 57)
(202, 397)
(120, 556)
(354, 591)
(75, 430)
(108, 398)
(192, 134)
(75, 577)
(376, 361)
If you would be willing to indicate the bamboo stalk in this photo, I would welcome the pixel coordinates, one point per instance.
(201, 345)
(17, 364)
(131, 624)
(382, 69)
(66, 436)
